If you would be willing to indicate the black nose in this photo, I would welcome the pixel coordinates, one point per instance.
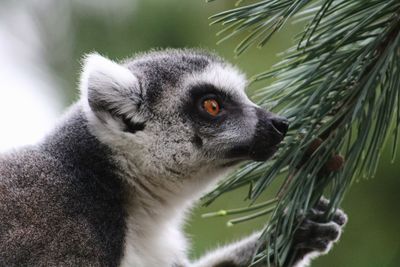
(280, 124)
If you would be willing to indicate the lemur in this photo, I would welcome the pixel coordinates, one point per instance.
(111, 184)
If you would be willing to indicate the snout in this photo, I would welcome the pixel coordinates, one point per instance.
(270, 131)
(278, 127)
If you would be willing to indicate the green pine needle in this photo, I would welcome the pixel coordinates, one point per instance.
(340, 84)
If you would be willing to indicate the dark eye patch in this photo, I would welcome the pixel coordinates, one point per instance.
(133, 127)
(200, 90)
(198, 94)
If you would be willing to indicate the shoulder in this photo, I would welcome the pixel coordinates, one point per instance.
(21, 166)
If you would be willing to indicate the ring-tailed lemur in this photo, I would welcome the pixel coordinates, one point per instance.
(111, 184)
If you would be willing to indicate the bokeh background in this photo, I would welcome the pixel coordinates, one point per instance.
(41, 46)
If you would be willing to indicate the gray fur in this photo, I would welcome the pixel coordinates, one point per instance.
(60, 204)
(111, 184)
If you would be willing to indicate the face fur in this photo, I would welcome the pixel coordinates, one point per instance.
(177, 112)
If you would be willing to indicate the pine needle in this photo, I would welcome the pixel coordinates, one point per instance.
(340, 83)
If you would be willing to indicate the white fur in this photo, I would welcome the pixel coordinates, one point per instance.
(224, 77)
(225, 253)
(111, 82)
(306, 261)
(105, 72)
(156, 239)
(151, 242)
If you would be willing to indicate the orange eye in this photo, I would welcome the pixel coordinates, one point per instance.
(211, 106)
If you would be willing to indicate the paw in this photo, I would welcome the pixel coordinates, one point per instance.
(315, 235)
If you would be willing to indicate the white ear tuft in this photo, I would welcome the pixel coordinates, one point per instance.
(109, 86)
(98, 69)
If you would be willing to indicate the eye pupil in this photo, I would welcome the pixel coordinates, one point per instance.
(211, 106)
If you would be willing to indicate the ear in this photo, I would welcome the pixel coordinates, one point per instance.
(109, 87)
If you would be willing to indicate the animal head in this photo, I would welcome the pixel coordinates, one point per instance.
(177, 113)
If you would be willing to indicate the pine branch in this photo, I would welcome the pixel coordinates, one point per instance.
(339, 87)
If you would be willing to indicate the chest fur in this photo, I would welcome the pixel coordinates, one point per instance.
(152, 244)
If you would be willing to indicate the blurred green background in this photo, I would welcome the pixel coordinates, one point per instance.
(372, 236)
